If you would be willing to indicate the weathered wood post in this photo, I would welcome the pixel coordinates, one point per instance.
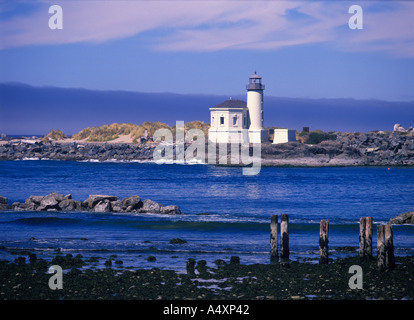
(362, 227)
(389, 247)
(368, 237)
(323, 242)
(365, 237)
(273, 238)
(381, 248)
(385, 248)
(284, 236)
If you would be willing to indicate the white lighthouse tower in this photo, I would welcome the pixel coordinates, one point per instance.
(255, 105)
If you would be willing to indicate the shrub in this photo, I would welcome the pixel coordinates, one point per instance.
(317, 136)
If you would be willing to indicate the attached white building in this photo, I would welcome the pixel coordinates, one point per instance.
(228, 119)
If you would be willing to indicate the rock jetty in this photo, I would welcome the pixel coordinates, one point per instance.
(403, 218)
(94, 203)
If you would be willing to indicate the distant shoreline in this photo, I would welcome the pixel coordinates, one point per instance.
(347, 149)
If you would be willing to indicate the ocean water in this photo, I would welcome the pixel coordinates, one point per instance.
(224, 213)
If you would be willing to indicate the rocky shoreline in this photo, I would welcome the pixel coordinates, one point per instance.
(347, 149)
(229, 280)
(94, 203)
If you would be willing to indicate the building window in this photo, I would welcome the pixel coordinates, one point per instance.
(221, 120)
(235, 121)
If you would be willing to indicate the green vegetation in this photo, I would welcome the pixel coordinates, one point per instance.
(113, 131)
(317, 136)
(54, 135)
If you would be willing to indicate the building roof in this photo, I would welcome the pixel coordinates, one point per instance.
(255, 76)
(232, 103)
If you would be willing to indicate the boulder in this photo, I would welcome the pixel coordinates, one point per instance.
(70, 205)
(177, 241)
(36, 199)
(4, 207)
(93, 200)
(48, 202)
(132, 203)
(403, 218)
(17, 206)
(172, 209)
(150, 206)
(117, 206)
(3, 200)
(58, 196)
(103, 206)
(398, 128)
(30, 205)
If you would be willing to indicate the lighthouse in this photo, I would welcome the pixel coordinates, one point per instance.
(255, 89)
(238, 121)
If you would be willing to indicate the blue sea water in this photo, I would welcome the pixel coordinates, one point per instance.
(224, 212)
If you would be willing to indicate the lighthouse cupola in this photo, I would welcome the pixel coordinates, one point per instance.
(255, 83)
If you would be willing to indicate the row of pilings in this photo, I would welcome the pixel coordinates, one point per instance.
(385, 245)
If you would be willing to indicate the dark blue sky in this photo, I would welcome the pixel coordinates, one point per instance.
(35, 110)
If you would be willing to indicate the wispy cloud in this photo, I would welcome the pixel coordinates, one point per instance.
(215, 25)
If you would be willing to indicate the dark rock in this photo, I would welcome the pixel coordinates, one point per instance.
(403, 218)
(70, 205)
(220, 262)
(30, 205)
(201, 264)
(117, 206)
(150, 206)
(108, 263)
(5, 207)
(172, 209)
(20, 260)
(177, 241)
(103, 206)
(151, 258)
(132, 203)
(93, 200)
(234, 260)
(58, 196)
(190, 266)
(17, 206)
(48, 202)
(59, 260)
(36, 199)
(3, 200)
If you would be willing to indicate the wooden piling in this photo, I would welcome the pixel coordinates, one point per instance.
(273, 238)
(365, 237)
(368, 237)
(381, 248)
(362, 227)
(323, 242)
(284, 236)
(389, 247)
